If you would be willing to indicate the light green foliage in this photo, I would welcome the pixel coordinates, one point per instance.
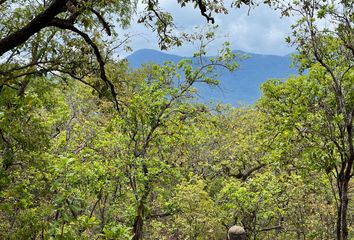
(303, 110)
(198, 215)
(159, 165)
(187, 170)
(312, 116)
(77, 169)
(303, 114)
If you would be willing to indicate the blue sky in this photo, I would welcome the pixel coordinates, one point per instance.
(260, 30)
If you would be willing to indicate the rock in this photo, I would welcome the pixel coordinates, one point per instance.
(237, 233)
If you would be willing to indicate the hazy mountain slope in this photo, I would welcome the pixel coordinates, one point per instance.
(241, 86)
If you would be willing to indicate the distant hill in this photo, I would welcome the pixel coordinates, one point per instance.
(239, 87)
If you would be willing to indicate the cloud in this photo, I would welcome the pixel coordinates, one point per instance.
(260, 30)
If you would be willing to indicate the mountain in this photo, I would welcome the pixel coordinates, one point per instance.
(239, 87)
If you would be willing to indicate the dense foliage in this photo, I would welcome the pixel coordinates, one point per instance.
(90, 149)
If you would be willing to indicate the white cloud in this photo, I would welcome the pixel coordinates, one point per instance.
(260, 31)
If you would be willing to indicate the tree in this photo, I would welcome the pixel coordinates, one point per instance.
(100, 166)
(61, 39)
(74, 167)
(311, 131)
(66, 38)
(47, 14)
(333, 49)
(162, 104)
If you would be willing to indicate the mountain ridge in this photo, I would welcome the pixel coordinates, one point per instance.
(238, 87)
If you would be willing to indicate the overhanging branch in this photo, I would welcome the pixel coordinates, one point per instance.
(203, 11)
(38, 23)
(63, 24)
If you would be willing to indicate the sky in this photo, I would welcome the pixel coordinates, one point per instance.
(260, 30)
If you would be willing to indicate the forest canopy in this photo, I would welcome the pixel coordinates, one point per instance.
(92, 149)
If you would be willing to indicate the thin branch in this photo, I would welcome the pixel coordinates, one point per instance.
(80, 79)
(271, 228)
(18, 76)
(103, 21)
(25, 66)
(62, 24)
(3, 138)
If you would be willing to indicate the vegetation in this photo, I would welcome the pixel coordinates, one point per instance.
(90, 149)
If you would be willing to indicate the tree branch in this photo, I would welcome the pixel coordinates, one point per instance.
(245, 174)
(103, 21)
(271, 228)
(38, 23)
(203, 10)
(63, 24)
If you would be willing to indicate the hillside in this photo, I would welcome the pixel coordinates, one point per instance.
(239, 87)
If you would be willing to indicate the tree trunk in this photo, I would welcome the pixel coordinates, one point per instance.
(138, 223)
(343, 226)
(339, 214)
